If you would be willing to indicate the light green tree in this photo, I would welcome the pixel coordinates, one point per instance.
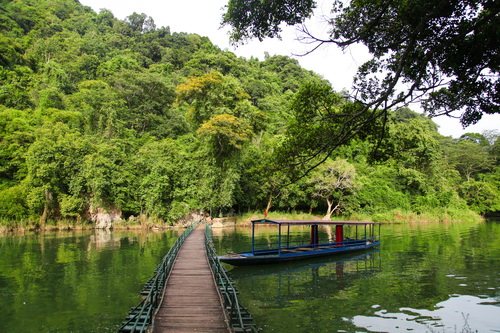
(333, 181)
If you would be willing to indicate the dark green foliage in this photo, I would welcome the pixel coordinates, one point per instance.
(99, 114)
(261, 19)
(448, 50)
(481, 196)
(322, 121)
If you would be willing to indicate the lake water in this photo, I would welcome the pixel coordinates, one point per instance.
(426, 278)
(75, 281)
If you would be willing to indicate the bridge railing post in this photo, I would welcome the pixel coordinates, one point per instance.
(240, 318)
(141, 316)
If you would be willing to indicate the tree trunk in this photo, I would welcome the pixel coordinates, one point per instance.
(269, 205)
(45, 214)
(329, 211)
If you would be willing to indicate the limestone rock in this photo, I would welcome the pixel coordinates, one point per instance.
(104, 218)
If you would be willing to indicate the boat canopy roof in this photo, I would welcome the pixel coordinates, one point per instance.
(310, 222)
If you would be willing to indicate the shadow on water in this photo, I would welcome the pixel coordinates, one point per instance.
(367, 259)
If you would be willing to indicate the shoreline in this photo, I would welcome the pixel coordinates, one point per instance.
(5, 230)
(394, 217)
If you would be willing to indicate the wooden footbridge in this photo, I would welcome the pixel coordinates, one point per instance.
(190, 292)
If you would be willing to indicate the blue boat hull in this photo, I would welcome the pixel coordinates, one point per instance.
(297, 253)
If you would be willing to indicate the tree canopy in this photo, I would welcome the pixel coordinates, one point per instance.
(105, 115)
(445, 54)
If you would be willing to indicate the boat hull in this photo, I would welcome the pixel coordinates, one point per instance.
(285, 255)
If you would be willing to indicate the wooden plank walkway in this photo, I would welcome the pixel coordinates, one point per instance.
(191, 302)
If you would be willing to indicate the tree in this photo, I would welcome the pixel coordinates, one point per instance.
(17, 135)
(100, 106)
(140, 22)
(481, 196)
(289, 72)
(54, 163)
(469, 158)
(107, 175)
(262, 176)
(226, 135)
(412, 143)
(101, 114)
(476, 138)
(332, 181)
(209, 95)
(322, 122)
(262, 19)
(445, 53)
(157, 162)
(495, 151)
(379, 190)
(15, 86)
(148, 97)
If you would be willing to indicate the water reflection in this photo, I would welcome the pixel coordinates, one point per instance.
(103, 238)
(82, 281)
(459, 313)
(307, 279)
(426, 278)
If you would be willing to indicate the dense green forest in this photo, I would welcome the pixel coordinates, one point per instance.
(102, 115)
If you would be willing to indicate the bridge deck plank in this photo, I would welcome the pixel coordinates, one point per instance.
(191, 302)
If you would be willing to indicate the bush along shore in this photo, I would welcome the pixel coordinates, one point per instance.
(145, 223)
(104, 222)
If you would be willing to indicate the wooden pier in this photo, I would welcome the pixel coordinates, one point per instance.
(191, 302)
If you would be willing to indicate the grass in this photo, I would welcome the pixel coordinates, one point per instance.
(438, 215)
(33, 224)
(247, 217)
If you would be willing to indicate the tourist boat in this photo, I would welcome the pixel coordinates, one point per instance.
(361, 236)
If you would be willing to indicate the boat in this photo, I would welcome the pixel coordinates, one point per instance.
(361, 238)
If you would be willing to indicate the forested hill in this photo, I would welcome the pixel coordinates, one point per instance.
(99, 114)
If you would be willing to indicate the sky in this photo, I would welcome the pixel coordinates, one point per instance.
(203, 17)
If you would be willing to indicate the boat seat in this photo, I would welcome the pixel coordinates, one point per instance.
(290, 250)
(304, 249)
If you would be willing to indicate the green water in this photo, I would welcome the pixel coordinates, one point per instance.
(75, 282)
(430, 278)
(426, 278)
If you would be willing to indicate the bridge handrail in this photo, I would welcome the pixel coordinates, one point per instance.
(140, 317)
(240, 319)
